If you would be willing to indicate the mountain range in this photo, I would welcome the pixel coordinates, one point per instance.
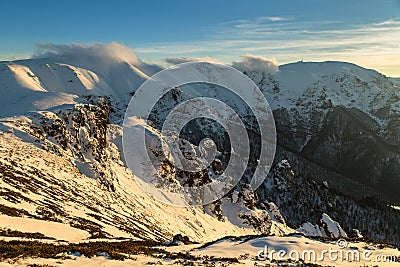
(336, 172)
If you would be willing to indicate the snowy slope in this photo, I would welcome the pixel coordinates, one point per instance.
(82, 183)
(42, 83)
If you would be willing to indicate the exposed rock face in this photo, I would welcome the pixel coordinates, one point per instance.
(326, 227)
(82, 131)
(240, 206)
(355, 233)
(331, 228)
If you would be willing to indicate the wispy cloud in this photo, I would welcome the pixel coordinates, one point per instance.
(388, 22)
(179, 60)
(259, 21)
(276, 18)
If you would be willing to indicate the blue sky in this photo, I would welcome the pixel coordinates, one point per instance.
(363, 32)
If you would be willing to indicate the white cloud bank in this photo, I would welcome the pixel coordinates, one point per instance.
(97, 57)
(256, 63)
(111, 52)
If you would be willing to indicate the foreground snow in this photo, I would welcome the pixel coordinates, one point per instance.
(55, 230)
(297, 246)
(245, 251)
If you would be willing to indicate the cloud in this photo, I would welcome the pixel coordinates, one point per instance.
(111, 52)
(267, 21)
(179, 60)
(389, 22)
(275, 18)
(256, 63)
(97, 57)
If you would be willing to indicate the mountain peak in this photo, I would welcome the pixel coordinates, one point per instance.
(330, 67)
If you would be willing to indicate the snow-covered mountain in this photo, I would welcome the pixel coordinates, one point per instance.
(63, 173)
(342, 118)
(56, 79)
